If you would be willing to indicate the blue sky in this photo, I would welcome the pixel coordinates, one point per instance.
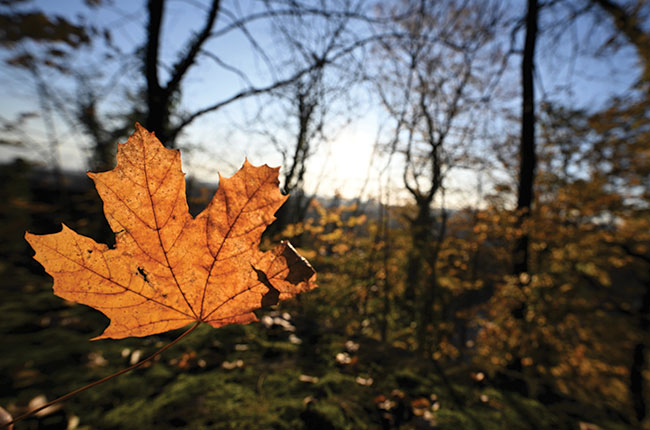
(341, 165)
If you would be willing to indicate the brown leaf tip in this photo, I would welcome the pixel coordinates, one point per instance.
(299, 268)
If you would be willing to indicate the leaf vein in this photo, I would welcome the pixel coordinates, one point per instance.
(112, 281)
(225, 237)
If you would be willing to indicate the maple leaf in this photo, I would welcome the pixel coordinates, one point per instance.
(167, 268)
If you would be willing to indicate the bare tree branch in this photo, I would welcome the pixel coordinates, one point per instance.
(193, 49)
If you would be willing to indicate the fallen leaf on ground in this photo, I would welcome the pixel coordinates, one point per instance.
(169, 269)
(5, 417)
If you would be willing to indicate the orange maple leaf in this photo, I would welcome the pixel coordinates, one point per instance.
(167, 268)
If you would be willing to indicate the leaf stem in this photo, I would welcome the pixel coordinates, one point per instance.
(104, 379)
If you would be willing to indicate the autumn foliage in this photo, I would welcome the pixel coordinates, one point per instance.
(494, 271)
(168, 268)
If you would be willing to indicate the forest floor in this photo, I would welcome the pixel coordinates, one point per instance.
(287, 371)
(302, 366)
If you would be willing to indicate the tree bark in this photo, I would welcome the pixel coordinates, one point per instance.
(157, 104)
(160, 96)
(527, 153)
(430, 294)
(421, 239)
(639, 363)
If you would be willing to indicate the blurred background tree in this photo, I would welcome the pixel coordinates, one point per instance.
(470, 179)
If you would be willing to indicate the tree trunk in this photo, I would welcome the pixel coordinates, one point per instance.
(525, 186)
(527, 146)
(384, 223)
(430, 293)
(637, 387)
(421, 240)
(157, 100)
